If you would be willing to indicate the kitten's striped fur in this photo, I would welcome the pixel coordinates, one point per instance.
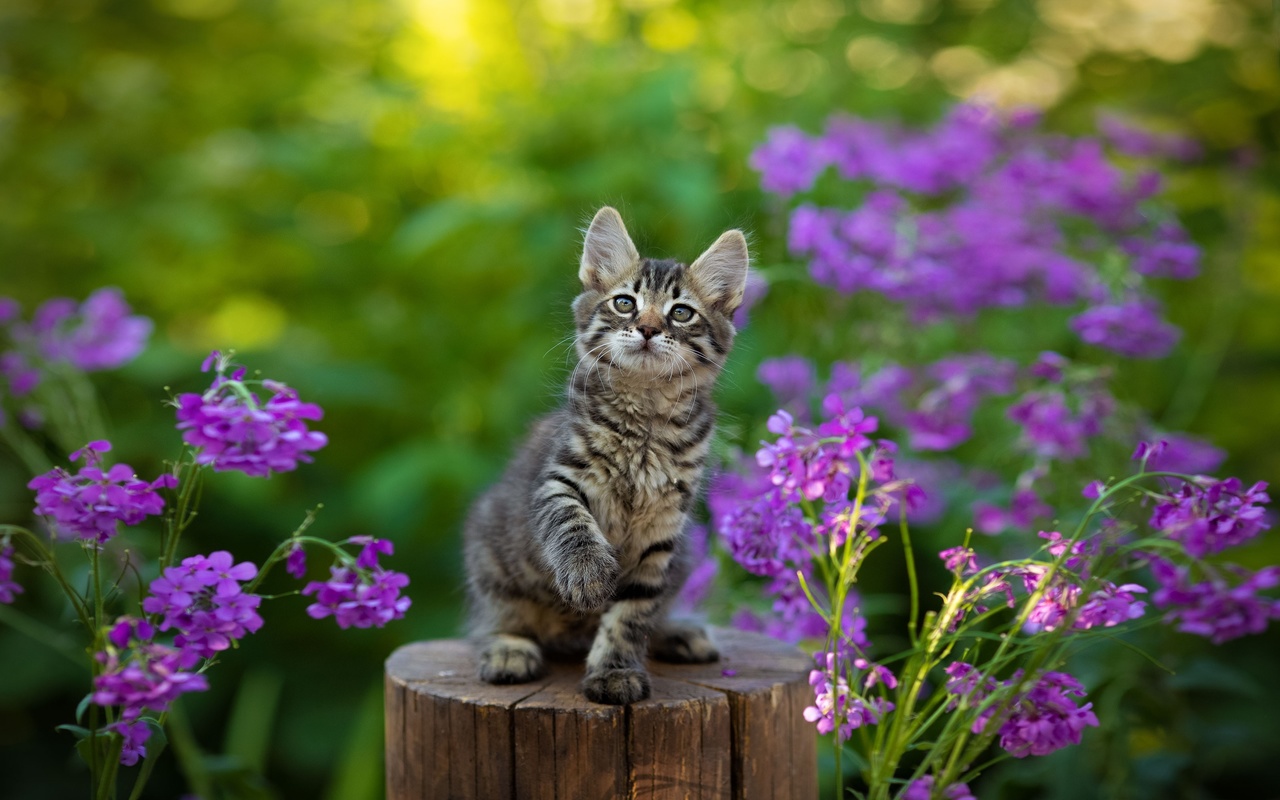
(581, 546)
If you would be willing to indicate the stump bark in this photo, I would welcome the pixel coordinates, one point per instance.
(733, 729)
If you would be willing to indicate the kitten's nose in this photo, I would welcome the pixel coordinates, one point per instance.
(648, 331)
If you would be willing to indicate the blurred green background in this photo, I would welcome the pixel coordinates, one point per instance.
(380, 204)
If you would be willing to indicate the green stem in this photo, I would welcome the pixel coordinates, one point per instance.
(149, 763)
(43, 557)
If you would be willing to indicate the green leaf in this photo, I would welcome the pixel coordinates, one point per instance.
(79, 731)
(83, 706)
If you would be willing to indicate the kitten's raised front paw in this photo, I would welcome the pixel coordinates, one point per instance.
(586, 580)
(683, 644)
(510, 659)
(616, 687)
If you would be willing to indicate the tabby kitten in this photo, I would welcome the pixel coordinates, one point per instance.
(581, 546)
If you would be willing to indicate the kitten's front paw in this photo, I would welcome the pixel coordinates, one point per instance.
(586, 580)
(616, 687)
(510, 659)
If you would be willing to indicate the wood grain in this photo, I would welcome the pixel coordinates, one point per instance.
(733, 729)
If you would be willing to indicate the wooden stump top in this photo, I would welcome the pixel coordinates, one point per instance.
(732, 729)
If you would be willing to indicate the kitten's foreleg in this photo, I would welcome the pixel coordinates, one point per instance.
(582, 562)
(615, 666)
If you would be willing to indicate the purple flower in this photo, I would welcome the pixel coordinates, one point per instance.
(18, 372)
(960, 559)
(364, 595)
(1178, 452)
(923, 789)
(203, 600)
(92, 503)
(1025, 508)
(296, 562)
(1037, 721)
(1216, 608)
(703, 574)
(135, 735)
(145, 676)
(1132, 328)
(1208, 516)
(836, 708)
(1133, 140)
(233, 430)
(9, 588)
(99, 334)
(789, 161)
(791, 379)
(1051, 429)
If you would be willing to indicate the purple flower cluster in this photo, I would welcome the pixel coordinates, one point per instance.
(1207, 516)
(836, 707)
(935, 403)
(1051, 429)
(139, 674)
(759, 516)
(361, 595)
(92, 503)
(100, 333)
(203, 600)
(234, 430)
(982, 212)
(1034, 722)
(923, 789)
(1225, 606)
(9, 588)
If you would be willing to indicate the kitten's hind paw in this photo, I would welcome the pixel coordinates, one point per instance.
(616, 687)
(510, 659)
(683, 644)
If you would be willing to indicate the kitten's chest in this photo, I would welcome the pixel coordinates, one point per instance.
(641, 491)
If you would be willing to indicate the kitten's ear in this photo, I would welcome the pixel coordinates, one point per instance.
(607, 251)
(720, 274)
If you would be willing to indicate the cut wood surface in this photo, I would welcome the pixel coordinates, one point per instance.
(732, 729)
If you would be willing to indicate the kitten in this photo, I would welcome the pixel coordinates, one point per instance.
(581, 546)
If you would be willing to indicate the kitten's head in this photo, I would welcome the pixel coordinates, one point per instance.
(655, 318)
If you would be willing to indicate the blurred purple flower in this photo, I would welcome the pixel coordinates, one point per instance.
(135, 736)
(1178, 452)
(791, 379)
(295, 562)
(1132, 328)
(98, 334)
(1040, 720)
(9, 588)
(1208, 516)
(1131, 139)
(788, 161)
(92, 503)
(1217, 608)
(234, 430)
(923, 789)
(203, 600)
(703, 573)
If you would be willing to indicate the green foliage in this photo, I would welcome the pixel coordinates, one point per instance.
(379, 203)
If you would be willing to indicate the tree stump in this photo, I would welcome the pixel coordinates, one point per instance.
(733, 729)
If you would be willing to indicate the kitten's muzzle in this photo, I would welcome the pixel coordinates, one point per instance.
(648, 331)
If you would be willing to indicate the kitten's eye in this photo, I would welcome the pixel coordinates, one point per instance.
(623, 304)
(681, 313)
